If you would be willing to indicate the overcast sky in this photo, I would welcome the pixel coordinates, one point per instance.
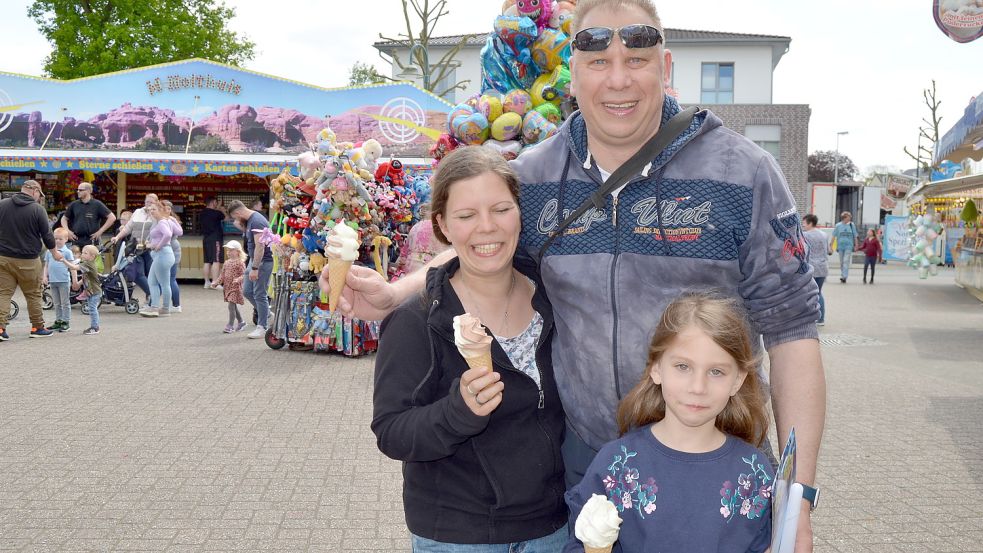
(860, 64)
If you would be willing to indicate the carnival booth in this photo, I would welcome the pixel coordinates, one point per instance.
(193, 129)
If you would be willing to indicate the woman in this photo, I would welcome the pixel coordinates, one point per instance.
(159, 243)
(819, 251)
(138, 229)
(481, 446)
(176, 247)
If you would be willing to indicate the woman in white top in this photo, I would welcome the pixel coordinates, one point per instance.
(138, 229)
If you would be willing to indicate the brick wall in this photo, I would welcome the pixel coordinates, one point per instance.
(794, 152)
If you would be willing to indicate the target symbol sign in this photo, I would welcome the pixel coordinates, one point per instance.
(403, 109)
(5, 117)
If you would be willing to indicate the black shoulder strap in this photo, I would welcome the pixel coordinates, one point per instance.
(646, 154)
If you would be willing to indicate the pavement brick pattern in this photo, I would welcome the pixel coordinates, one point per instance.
(167, 435)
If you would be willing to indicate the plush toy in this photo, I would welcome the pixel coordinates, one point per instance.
(380, 255)
(373, 151)
(307, 164)
(444, 145)
(391, 172)
(562, 16)
(317, 262)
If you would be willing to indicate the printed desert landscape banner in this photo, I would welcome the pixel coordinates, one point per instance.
(226, 109)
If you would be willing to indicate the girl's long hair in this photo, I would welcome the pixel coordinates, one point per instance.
(724, 321)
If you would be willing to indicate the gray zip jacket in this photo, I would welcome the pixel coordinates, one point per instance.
(712, 211)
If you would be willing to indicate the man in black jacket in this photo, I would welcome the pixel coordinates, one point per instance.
(23, 230)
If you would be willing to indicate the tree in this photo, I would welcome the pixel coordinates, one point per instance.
(428, 17)
(929, 131)
(823, 166)
(208, 143)
(363, 74)
(91, 37)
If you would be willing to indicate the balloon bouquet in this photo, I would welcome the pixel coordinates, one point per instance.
(338, 183)
(924, 230)
(525, 81)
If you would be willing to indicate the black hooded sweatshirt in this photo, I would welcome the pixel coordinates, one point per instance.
(468, 479)
(23, 227)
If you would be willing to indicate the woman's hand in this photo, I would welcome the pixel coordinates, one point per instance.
(482, 390)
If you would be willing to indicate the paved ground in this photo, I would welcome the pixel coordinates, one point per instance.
(166, 435)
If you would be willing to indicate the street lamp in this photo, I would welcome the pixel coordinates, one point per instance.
(836, 160)
(425, 66)
(52, 129)
(191, 127)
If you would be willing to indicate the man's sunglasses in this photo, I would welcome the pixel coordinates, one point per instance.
(596, 39)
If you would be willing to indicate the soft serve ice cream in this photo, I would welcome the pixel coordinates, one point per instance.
(472, 341)
(341, 254)
(598, 524)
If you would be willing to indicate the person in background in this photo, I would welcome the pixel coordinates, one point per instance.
(820, 248)
(420, 246)
(260, 264)
(86, 218)
(121, 221)
(24, 230)
(138, 230)
(61, 280)
(176, 247)
(872, 251)
(159, 244)
(847, 239)
(210, 222)
(93, 286)
(257, 205)
(233, 273)
(53, 219)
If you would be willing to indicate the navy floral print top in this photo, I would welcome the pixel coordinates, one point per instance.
(669, 500)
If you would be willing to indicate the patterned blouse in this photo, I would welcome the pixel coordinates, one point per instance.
(522, 348)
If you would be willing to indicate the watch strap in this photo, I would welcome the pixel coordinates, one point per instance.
(811, 495)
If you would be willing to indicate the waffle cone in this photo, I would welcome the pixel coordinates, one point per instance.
(483, 360)
(337, 271)
(607, 549)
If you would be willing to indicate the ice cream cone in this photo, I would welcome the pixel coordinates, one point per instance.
(483, 360)
(337, 271)
(588, 549)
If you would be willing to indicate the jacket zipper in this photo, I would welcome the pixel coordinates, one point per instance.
(614, 211)
(614, 299)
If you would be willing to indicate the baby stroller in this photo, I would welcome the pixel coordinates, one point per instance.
(116, 290)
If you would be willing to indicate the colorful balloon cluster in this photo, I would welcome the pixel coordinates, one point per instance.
(924, 230)
(525, 78)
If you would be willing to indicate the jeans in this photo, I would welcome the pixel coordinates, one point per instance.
(141, 263)
(93, 302)
(160, 277)
(577, 457)
(175, 291)
(255, 292)
(872, 263)
(61, 295)
(822, 300)
(845, 257)
(552, 543)
(25, 273)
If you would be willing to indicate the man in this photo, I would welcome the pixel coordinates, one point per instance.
(260, 264)
(847, 241)
(712, 211)
(210, 222)
(23, 229)
(86, 219)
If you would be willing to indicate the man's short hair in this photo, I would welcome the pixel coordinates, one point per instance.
(586, 6)
(811, 219)
(210, 199)
(85, 186)
(235, 205)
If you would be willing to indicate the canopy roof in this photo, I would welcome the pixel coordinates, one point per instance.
(965, 138)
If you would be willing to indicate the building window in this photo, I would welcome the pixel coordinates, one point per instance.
(450, 78)
(769, 137)
(717, 83)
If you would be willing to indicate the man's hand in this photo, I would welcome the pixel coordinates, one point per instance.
(44, 280)
(72, 236)
(366, 296)
(96, 237)
(254, 275)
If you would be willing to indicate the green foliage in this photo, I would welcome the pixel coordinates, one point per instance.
(824, 166)
(208, 143)
(149, 144)
(363, 74)
(92, 37)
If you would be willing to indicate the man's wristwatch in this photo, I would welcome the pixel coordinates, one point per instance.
(811, 495)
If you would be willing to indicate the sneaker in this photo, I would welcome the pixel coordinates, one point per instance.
(843, 280)
(40, 332)
(257, 332)
(3, 335)
(175, 309)
(208, 284)
(91, 330)
(65, 327)
(149, 312)
(820, 323)
(56, 326)
(219, 287)
(164, 313)
(229, 329)
(240, 326)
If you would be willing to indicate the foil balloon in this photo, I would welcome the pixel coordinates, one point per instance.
(536, 10)
(562, 16)
(551, 112)
(495, 68)
(508, 148)
(551, 49)
(517, 101)
(490, 105)
(536, 91)
(535, 128)
(471, 129)
(460, 109)
(507, 127)
(518, 33)
(557, 88)
(473, 101)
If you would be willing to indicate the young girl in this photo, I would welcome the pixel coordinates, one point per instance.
(230, 280)
(872, 250)
(684, 475)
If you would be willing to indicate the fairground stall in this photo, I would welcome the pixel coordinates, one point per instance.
(193, 129)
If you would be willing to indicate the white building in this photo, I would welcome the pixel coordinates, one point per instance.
(731, 73)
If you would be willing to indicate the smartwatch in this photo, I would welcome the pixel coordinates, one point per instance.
(811, 495)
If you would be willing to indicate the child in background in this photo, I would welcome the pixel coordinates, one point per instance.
(872, 250)
(60, 277)
(233, 271)
(687, 474)
(93, 287)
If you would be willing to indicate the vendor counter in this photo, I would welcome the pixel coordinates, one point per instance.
(193, 255)
(968, 259)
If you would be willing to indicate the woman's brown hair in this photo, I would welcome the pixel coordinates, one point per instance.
(464, 163)
(724, 321)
